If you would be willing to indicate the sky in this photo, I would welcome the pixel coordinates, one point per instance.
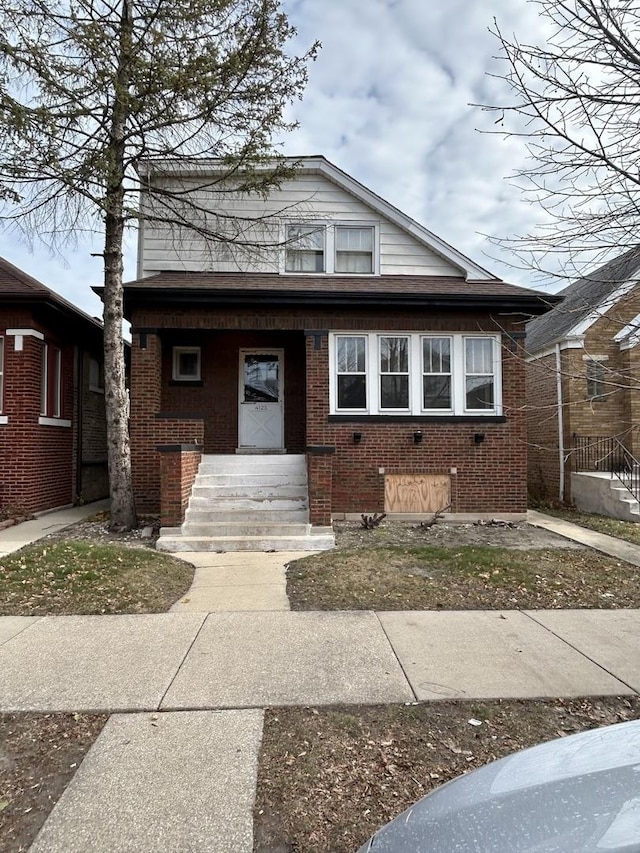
(389, 102)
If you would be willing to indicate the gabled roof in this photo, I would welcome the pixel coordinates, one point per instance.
(317, 164)
(17, 286)
(265, 288)
(584, 301)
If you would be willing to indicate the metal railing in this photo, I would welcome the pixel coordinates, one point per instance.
(607, 454)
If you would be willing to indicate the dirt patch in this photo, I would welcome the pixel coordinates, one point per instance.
(328, 778)
(521, 536)
(96, 529)
(39, 754)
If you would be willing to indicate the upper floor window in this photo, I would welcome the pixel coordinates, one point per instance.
(415, 374)
(305, 248)
(354, 249)
(331, 248)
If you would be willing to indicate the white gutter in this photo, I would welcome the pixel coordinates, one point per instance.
(560, 421)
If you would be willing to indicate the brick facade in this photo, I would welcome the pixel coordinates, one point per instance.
(616, 414)
(42, 463)
(489, 476)
(178, 468)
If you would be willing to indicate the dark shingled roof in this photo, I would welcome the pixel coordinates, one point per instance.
(330, 285)
(18, 286)
(580, 298)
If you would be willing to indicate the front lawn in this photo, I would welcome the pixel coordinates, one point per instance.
(463, 578)
(68, 576)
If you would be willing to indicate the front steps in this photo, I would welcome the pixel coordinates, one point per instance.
(248, 503)
(597, 492)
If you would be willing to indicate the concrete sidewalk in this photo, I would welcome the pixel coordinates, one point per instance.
(626, 551)
(16, 537)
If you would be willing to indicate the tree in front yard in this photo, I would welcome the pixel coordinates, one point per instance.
(90, 88)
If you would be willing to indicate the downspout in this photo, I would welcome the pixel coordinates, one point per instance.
(560, 421)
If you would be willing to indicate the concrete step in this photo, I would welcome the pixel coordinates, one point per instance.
(236, 504)
(251, 478)
(242, 528)
(317, 539)
(243, 489)
(211, 515)
(254, 465)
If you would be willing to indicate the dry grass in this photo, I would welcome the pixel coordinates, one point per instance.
(328, 778)
(51, 578)
(464, 578)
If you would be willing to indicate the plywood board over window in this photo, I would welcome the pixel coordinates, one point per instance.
(416, 493)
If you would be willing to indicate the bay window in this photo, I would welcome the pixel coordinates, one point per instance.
(415, 374)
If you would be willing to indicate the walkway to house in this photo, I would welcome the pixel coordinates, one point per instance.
(177, 761)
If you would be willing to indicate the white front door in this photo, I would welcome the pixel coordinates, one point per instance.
(261, 415)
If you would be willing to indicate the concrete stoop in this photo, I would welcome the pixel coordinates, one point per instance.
(603, 494)
(248, 503)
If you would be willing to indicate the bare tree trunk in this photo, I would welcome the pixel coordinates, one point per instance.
(123, 513)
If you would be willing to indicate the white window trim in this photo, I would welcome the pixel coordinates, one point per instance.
(44, 381)
(458, 384)
(175, 373)
(330, 245)
(56, 422)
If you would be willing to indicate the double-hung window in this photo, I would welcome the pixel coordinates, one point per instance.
(51, 382)
(417, 374)
(305, 248)
(393, 353)
(354, 249)
(351, 372)
(596, 380)
(479, 374)
(330, 248)
(436, 374)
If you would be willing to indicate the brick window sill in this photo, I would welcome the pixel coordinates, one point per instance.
(56, 422)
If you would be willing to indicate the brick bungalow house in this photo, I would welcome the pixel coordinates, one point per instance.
(583, 396)
(52, 419)
(352, 338)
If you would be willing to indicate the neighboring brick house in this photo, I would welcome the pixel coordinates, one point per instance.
(354, 336)
(52, 419)
(583, 396)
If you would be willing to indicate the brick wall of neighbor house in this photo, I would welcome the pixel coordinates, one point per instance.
(490, 476)
(37, 471)
(542, 429)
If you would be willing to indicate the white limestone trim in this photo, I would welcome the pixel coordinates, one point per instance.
(4, 419)
(322, 166)
(56, 422)
(21, 334)
(576, 342)
(585, 324)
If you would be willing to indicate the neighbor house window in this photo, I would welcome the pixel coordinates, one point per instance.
(479, 374)
(305, 248)
(96, 376)
(51, 382)
(393, 353)
(436, 373)
(186, 364)
(596, 380)
(354, 250)
(415, 374)
(351, 372)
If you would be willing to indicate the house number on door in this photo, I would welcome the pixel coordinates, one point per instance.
(259, 408)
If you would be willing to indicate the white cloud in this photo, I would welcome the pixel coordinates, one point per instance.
(389, 102)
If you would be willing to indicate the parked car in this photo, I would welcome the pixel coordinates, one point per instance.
(577, 794)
